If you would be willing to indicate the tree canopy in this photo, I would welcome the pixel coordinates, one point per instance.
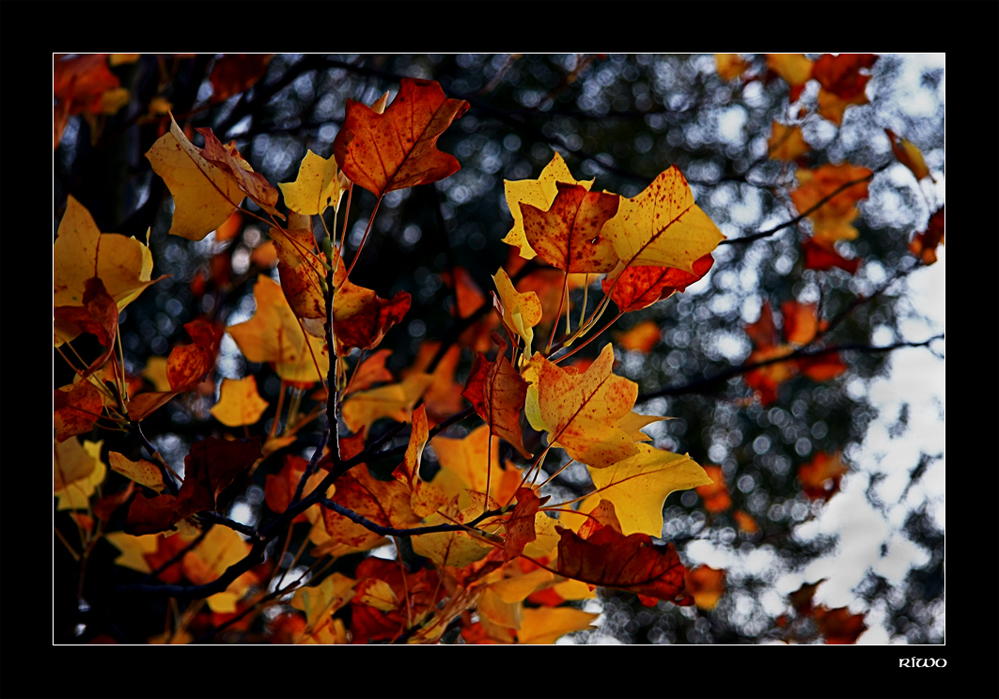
(489, 348)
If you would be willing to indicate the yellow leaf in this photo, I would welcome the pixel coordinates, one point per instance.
(793, 67)
(239, 402)
(123, 264)
(141, 471)
(662, 226)
(539, 193)
(319, 184)
(456, 548)
(321, 601)
(548, 624)
(221, 548)
(273, 334)
(77, 470)
(786, 142)
(638, 486)
(204, 195)
(133, 549)
(156, 372)
(521, 312)
(394, 401)
(468, 458)
(729, 65)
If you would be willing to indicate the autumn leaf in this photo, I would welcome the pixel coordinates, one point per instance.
(635, 288)
(548, 624)
(820, 255)
(520, 525)
(567, 235)
(319, 185)
(123, 265)
(839, 625)
(77, 471)
(715, 494)
(520, 311)
(908, 154)
(580, 412)
(456, 548)
(394, 401)
(842, 82)
(386, 503)
(472, 459)
(361, 317)
(207, 184)
(729, 65)
(235, 72)
(142, 472)
(425, 498)
(632, 563)
(274, 335)
(239, 402)
(640, 338)
(639, 485)
(795, 68)
(662, 226)
(706, 585)
(76, 409)
(820, 477)
(787, 143)
(925, 243)
(497, 392)
(398, 149)
(220, 548)
(210, 467)
(833, 220)
(187, 364)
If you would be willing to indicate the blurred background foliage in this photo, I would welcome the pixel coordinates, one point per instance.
(621, 119)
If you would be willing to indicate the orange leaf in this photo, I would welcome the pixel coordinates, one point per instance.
(820, 255)
(642, 337)
(706, 585)
(820, 478)
(188, 364)
(239, 402)
(832, 220)
(398, 149)
(581, 411)
(497, 393)
(635, 288)
(925, 243)
(567, 235)
(839, 625)
(77, 407)
(520, 526)
(715, 496)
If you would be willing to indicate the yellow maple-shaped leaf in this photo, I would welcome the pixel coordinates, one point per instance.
(239, 402)
(639, 485)
(123, 264)
(204, 194)
(319, 184)
(456, 548)
(274, 334)
(133, 549)
(548, 624)
(142, 472)
(221, 548)
(77, 471)
(795, 68)
(729, 65)
(521, 312)
(320, 602)
(581, 411)
(662, 226)
(394, 401)
(786, 142)
(539, 193)
(468, 458)
(425, 497)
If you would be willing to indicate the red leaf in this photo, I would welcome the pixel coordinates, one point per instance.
(822, 257)
(497, 392)
(520, 527)
(631, 563)
(398, 149)
(639, 287)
